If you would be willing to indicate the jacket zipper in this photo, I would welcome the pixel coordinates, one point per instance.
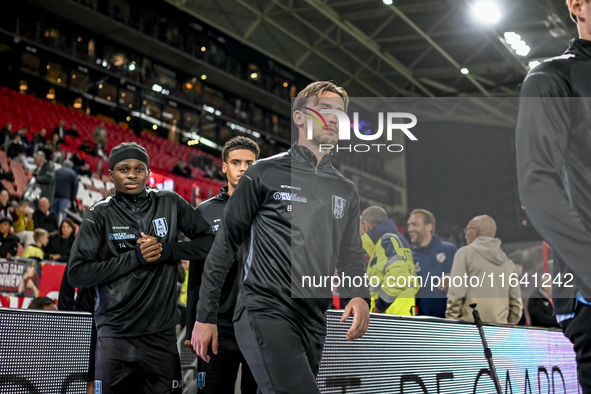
(314, 183)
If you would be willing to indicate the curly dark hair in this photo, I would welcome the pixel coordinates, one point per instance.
(240, 142)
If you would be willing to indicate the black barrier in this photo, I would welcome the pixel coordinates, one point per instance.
(433, 356)
(44, 351)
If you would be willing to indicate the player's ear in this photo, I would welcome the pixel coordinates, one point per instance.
(111, 176)
(298, 118)
(224, 167)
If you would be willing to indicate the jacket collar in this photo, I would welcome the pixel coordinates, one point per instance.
(371, 238)
(580, 47)
(304, 155)
(224, 196)
(131, 199)
(435, 240)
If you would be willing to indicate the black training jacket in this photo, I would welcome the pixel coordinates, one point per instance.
(212, 211)
(296, 219)
(554, 165)
(134, 297)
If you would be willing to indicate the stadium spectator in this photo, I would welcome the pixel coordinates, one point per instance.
(8, 241)
(60, 244)
(43, 302)
(44, 217)
(482, 256)
(53, 149)
(390, 260)
(39, 140)
(29, 285)
(6, 207)
(35, 250)
(73, 131)
(100, 135)
(45, 175)
(136, 348)
(541, 308)
(432, 257)
(5, 133)
(87, 148)
(65, 194)
(24, 226)
(181, 168)
(99, 151)
(16, 148)
(80, 165)
(60, 131)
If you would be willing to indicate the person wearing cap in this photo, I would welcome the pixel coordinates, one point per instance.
(8, 241)
(127, 249)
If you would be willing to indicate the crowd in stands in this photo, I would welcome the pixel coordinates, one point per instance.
(411, 247)
(52, 168)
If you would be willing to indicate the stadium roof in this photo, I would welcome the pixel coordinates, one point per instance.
(408, 48)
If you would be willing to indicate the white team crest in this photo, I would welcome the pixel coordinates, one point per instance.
(160, 227)
(440, 257)
(338, 206)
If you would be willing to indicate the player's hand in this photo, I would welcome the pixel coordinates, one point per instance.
(150, 248)
(203, 335)
(188, 344)
(360, 310)
(54, 257)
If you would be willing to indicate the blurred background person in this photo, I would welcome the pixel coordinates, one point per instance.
(35, 250)
(24, 225)
(60, 243)
(8, 242)
(43, 302)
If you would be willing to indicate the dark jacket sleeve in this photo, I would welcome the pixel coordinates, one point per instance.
(196, 228)
(542, 137)
(539, 314)
(238, 215)
(351, 255)
(195, 272)
(73, 187)
(47, 175)
(66, 295)
(84, 270)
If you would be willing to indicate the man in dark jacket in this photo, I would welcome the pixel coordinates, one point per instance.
(8, 241)
(65, 194)
(433, 257)
(45, 175)
(219, 375)
(44, 217)
(553, 174)
(128, 250)
(300, 219)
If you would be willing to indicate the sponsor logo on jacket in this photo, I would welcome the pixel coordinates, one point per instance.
(121, 236)
(283, 196)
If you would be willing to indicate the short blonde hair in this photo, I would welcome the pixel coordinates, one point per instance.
(315, 90)
(38, 233)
